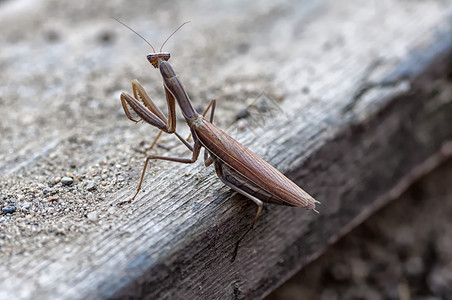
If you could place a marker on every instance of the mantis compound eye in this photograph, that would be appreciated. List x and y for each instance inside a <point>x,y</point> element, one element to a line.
<point>154,58</point>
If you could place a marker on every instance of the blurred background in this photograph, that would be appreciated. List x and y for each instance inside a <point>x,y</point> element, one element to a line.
<point>401,252</point>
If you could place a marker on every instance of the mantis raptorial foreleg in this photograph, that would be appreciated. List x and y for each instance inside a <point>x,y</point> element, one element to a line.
<point>144,109</point>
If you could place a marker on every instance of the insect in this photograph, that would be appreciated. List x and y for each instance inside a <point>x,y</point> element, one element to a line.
<point>236,166</point>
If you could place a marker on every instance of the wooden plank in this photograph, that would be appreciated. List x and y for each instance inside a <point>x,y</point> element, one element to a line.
<point>366,107</point>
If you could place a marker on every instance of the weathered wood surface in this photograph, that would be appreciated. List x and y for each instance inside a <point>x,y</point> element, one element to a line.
<point>366,106</point>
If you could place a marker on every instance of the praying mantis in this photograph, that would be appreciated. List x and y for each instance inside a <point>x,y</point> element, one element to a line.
<point>235,165</point>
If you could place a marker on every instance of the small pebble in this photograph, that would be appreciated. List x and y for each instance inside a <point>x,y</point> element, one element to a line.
<point>242,124</point>
<point>90,186</point>
<point>244,113</point>
<point>54,198</point>
<point>92,216</point>
<point>9,209</point>
<point>67,180</point>
<point>26,205</point>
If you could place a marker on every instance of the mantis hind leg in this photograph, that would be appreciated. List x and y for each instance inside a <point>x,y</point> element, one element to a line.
<point>259,204</point>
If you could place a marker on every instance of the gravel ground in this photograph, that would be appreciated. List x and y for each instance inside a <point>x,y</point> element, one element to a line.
<point>404,251</point>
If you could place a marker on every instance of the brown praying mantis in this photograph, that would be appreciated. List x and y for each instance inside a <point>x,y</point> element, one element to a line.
<point>236,166</point>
